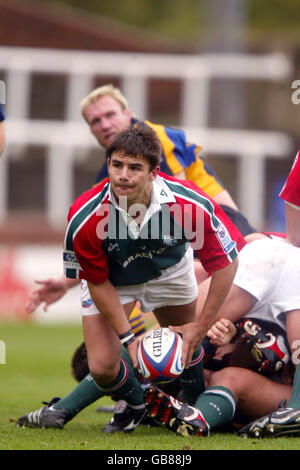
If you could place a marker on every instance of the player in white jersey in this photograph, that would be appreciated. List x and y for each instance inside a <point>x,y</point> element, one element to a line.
<point>266,287</point>
<point>286,420</point>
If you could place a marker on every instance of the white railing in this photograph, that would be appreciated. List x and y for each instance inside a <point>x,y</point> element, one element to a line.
<point>196,73</point>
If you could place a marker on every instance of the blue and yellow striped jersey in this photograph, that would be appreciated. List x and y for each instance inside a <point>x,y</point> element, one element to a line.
<point>179,155</point>
<point>2,115</point>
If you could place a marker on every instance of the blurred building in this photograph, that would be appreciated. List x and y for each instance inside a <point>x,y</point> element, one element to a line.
<point>37,25</point>
<point>30,23</point>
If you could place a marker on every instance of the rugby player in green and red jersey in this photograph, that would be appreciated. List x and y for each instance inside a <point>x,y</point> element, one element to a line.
<point>142,251</point>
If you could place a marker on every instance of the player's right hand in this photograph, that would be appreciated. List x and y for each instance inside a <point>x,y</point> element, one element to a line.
<point>132,349</point>
<point>50,291</point>
<point>191,338</point>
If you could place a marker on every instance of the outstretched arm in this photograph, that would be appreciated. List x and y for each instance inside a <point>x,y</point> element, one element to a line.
<point>50,291</point>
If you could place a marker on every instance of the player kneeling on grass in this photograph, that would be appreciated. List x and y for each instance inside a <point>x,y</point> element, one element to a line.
<point>285,419</point>
<point>265,289</point>
<point>260,340</point>
<point>129,239</point>
<point>232,394</point>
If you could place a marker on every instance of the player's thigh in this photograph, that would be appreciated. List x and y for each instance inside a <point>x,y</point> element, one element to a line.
<point>203,289</point>
<point>255,394</point>
<point>200,273</point>
<point>263,396</point>
<point>102,343</point>
<point>176,315</point>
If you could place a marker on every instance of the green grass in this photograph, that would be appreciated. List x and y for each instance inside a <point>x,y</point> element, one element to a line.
<point>38,368</point>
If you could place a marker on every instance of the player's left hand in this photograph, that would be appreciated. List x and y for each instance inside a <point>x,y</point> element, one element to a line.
<point>221,332</point>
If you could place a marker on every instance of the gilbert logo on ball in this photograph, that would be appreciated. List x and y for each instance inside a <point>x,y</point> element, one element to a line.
<point>160,355</point>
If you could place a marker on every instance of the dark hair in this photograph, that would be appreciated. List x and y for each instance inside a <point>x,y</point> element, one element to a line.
<point>140,140</point>
<point>79,363</point>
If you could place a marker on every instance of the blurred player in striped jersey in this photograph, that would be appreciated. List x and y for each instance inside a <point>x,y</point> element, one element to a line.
<point>107,112</point>
<point>2,129</point>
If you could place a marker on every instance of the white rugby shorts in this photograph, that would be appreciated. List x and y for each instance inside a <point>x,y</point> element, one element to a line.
<point>269,269</point>
<point>177,285</point>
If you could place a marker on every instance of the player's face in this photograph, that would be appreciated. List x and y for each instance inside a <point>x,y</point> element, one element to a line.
<point>131,177</point>
<point>106,118</point>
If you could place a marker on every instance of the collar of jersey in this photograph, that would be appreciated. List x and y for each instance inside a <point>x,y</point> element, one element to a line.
<point>161,194</point>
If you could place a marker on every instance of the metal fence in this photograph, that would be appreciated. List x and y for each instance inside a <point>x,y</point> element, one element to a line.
<point>62,137</point>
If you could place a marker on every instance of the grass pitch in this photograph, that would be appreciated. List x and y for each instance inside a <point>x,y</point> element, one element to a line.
<point>38,368</point>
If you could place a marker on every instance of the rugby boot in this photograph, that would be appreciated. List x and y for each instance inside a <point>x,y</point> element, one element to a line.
<point>175,415</point>
<point>46,417</point>
<point>126,418</point>
<point>283,421</point>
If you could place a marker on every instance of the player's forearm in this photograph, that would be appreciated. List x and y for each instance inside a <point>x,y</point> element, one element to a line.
<point>69,283</point>
<point>221,282</point>
<point>107,301</point>
<point>224,198</point>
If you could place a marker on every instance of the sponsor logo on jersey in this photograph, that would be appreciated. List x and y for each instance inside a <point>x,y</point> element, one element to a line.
<point>70,260</point>
<point>224,238</point>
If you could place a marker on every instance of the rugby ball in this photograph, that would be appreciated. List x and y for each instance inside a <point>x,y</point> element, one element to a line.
<point>160,355</point>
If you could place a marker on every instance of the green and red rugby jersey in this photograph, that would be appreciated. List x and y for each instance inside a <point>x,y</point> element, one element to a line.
<point>100,242</point>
